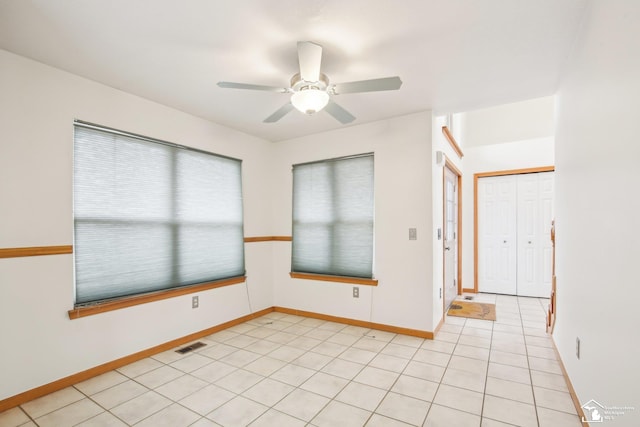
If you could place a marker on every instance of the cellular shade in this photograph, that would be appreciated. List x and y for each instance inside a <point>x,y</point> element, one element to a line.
<point>149,215</point>
<point>333,217</point>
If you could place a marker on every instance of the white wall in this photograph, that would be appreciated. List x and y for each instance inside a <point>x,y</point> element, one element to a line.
<point>403,297</point>
<point>530,119</point>
<point>39,343</point>
<point>597,220</point>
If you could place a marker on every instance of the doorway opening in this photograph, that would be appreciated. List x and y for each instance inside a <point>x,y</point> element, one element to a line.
<point>451,234</point>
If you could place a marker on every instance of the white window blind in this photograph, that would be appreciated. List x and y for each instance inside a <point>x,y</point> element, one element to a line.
<point>150,215</point>
<point>333,217</point>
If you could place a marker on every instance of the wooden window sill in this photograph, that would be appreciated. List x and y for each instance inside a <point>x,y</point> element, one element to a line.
<point>125,302</point>
<point>267,239</point>
<point>340,279</point>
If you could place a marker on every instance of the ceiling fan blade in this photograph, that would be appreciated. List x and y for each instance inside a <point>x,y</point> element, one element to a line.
<point>309,59</point>
<point>339,113</point>
<point>280,113</point>
<point>374,85</point>
<point>232,85</point>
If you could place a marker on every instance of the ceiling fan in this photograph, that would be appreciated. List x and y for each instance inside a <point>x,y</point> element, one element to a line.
<point>311,90</point>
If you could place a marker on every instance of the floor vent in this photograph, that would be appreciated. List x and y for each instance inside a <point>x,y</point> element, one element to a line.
<point>190,347</point>
<point>468,297</point>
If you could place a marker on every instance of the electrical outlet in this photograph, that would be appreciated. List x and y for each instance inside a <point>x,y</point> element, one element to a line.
<point>195,302</point>
<point>578,347</point>
<point>356,292</point>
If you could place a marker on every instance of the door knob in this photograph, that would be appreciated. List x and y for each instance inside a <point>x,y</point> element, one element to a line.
<point>446,248</point>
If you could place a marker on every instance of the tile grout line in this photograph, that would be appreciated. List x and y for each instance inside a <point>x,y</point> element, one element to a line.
<point>486,377</point>
<point>271,407</point>
<point>445,369</point>
<point>33,419</point>
<point>364,334</point>
<point>184,373</point>
<point>298,386</point>
<point>373,412</point>
<point>154,391</point>
<point>29,416</point>
<point>345,386</point>
<point>491,344</point>
<point>394,383</point>
<point>388,390</point>
<point>526,350</point>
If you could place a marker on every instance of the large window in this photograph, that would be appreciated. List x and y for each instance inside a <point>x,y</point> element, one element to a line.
<point>150,215</point>
<point>333,217</point>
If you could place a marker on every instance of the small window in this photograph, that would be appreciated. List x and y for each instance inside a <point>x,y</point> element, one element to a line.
<point>150,215</point>
<point>333,217</point>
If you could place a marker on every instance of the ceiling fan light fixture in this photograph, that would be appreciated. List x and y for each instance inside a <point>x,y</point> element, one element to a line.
<point>310,100</point>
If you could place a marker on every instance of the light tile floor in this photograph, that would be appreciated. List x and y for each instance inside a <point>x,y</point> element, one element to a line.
<point>283,370</point>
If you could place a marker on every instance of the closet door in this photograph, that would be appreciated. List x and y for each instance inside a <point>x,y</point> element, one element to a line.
<point>535,212</point>
<point>497,234</point>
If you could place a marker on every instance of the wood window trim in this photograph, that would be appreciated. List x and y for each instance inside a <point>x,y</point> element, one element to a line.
<point>267,239</point>
<point>452,141</point>
<point>35,251</point>
<point>337,279</point>
<point>476,176</point>
<point>131,301</point>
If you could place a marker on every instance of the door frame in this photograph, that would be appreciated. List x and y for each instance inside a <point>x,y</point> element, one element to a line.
<point>476,176</point>
<point>456,171</point>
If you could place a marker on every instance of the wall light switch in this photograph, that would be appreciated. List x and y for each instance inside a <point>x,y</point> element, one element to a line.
<point>413,234</point>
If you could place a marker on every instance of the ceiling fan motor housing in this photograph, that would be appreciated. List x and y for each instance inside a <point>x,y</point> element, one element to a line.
<point>297,84</point>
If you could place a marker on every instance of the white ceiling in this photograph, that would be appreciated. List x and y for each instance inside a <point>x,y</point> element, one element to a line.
<point>452,55</point>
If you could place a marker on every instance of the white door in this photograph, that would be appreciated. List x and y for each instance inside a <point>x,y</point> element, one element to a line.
<point>450,240</point>
<point>535,213</point>
<point>514,245</point>
<point>497,234</point>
